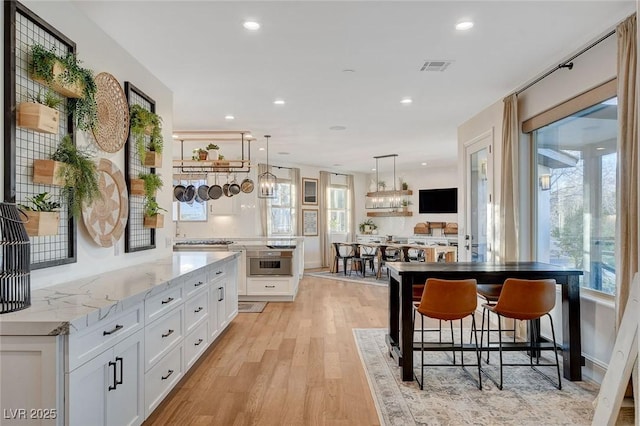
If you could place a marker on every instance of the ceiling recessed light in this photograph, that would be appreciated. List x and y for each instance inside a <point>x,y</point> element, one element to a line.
<point>251,25</point>
<point>337,128</point>
<point>229,117</point>
<point>424,164</point>
<point>464,25</point>
<point>600,148</point>
<point>406,101</point>
<point>260,149</point>
<point>279,102</point>
<point>373,170</point>
<point>284,153</point>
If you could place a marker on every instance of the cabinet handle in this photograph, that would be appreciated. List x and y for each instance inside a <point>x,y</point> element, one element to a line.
<point>115,383</point>
<point>116,328</point>
<point>168,333</point>
<point>200,308</point>
<point>220,294</point>
<point>119,382</point>
<point>218,273</point>
<point>169,373</point>
<point>198,342</point>
<point>198,284</point>
<point>270,286</point>
<point>169,300</point>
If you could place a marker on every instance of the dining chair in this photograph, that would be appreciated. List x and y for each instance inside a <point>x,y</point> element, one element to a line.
<point>343,252</point>
<point>368,255</point>
<point>388,254</point>
<point>527,300</point>
<point>448,300</point>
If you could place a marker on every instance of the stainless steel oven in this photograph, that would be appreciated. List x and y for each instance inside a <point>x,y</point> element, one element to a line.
<point>269,263</point>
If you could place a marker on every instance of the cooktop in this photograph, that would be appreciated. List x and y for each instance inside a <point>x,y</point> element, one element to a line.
<point>205,242</point>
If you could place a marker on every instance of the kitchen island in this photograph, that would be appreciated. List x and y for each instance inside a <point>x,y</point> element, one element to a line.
<point>107,349</point>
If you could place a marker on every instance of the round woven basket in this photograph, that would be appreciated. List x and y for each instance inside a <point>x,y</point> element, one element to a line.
<point>113,114</point>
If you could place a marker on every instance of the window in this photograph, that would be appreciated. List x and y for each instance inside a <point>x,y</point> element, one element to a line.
<point>576,193</point>
<point>282,209</point>
<point>194,211</point>
<point>337,209</point>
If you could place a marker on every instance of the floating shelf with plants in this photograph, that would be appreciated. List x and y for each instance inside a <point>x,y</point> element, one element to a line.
<point>146,129</point>
<point>208,157</point>
<point>389,214</point>
<point>40,113</point>
<point>42,217</point>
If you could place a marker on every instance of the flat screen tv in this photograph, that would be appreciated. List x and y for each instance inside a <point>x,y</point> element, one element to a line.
<point>443,200</point>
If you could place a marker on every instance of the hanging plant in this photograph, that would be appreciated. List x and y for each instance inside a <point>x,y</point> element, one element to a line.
<point>145,124</point>
<point>65,75</point>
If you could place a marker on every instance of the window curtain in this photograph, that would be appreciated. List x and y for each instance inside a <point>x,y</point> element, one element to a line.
<point>323,226</point>
<point>627,176</point>
<point>296,198</point>
<point>263,204</point>
<point>509,208</point>
<point>351,209</point>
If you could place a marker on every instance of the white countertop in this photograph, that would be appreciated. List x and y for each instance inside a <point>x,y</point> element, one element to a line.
<point>69,307</point>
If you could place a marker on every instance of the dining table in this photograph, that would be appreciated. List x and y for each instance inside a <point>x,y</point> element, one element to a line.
<point>403,275</point>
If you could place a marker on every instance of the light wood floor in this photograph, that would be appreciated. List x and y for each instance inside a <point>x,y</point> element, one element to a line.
<point>293,364</point>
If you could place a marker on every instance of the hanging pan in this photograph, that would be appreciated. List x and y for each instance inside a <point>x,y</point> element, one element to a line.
<point>215,191</point>
<point>189,194</point>
<point>234,188</point>
<point>225,188</point>
<point>178,192</point>
<point>203,192</point>
<point>247,185</point>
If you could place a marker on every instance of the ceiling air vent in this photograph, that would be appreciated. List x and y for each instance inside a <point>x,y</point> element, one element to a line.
<point>431,65</point>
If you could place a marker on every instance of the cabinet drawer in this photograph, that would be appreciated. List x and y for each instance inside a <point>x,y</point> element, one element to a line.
<point>194,284</point>
<point>194,344</point>
<point>162,378</point>
<point>161,336</point>
<point>268,286</point>
<point>103,335</point>
<point>157,305</point>
<point>196,310</point>
<point>217,272</point>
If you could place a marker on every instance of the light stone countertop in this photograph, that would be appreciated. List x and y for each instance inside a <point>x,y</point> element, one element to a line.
<point>70,307</point>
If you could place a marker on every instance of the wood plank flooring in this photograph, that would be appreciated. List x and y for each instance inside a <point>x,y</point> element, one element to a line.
<point>294,364</point>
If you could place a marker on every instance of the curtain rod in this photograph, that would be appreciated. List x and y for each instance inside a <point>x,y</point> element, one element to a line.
<point>567,63</point>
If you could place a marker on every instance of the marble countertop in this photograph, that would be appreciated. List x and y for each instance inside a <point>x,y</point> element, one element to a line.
<point>69,307</point>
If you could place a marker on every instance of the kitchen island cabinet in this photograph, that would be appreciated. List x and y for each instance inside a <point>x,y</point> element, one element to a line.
<point>92,351</point>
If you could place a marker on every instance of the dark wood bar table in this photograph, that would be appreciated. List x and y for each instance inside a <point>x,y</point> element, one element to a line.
<point>404,274</point>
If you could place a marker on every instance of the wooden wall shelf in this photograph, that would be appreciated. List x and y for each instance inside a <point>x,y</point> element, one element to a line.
<point>390,193</point>
<point>389,214</point>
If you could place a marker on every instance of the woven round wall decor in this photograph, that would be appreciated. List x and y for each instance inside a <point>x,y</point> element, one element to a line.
<point>113,114</point>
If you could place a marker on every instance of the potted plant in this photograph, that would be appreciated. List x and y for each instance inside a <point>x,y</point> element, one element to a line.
<point>146,129</point>
<point>213,150</point>
<point>43,218</point>
<point>200,154</point>
<point>40,113</point>
<point>152,216</point>
<point>382,185</point>
<point>65,75</point>
<point>147,184</point>
<point>404,186</point>
<point>367,226</point>
<point>405,205</point>
<point>74,170</point>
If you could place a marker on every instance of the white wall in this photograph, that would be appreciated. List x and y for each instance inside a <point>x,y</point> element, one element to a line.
<point>101,54</point>
<point>594,67</point>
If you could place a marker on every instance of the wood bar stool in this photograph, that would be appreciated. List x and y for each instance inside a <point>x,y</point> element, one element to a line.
<point>527,300</point>
<point>449,300</point>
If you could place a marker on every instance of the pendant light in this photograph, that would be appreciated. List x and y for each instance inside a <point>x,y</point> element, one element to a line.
<point>267,180</point>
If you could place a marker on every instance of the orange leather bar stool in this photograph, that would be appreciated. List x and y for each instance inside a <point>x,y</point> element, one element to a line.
<point>449,300</point>
<point>527,300</point>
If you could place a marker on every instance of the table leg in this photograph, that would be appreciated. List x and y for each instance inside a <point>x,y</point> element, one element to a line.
<point>571,339</point>
<point>406,327</point>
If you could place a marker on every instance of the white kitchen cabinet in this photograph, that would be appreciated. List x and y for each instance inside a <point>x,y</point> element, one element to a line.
<point>231,293</point>
<point>269,286</point>
<point>195,343</point>
<point>162,378</point>
<point>163,335</point>
<point>108,389</point>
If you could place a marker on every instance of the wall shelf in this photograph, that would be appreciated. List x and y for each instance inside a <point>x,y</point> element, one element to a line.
<point>391,193</point>
<point>389,214</point>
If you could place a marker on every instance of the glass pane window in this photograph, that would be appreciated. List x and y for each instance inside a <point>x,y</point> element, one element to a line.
<point>193,211</point>
<point>337,211</point>
<point>281,217</point>
<point>576,194</point>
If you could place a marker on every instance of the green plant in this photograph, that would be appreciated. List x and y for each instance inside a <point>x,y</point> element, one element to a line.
<point>368,223</point>
<point>382,185</point>
<point>405,186</point>
<point>84,109</point>
<point>151,207</point>
<point>141,121</point>
<point>220,157</point>
<point>80,176</point>
<point>213,146</point>
<point>49,99</point>
<point>41,203</point>
<point>152,182</point>
<point>406,203</point>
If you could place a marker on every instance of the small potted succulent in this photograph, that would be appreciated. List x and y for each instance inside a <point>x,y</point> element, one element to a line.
<point>43,217</point>
<point>200,154</point>
<point>40,113</point>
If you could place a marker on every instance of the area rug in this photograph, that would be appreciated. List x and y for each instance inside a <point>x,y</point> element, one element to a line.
<point>450,397</point>
<point>353,278</point>
<point>251,307</point>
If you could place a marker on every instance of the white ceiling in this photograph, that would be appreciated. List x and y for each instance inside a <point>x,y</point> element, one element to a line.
<point>215,67</point>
